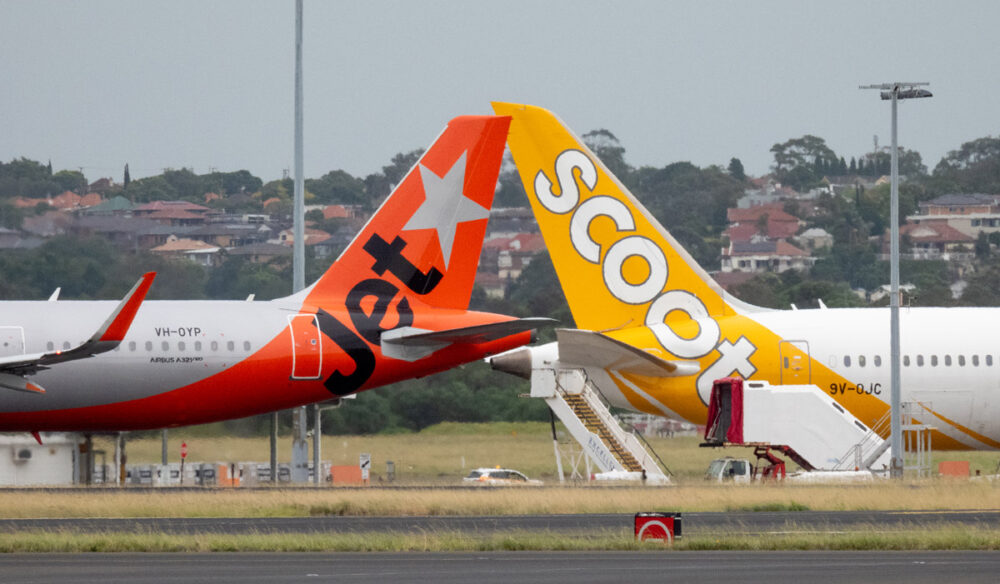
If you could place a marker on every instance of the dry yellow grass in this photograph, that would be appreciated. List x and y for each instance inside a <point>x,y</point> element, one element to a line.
<point>926,495</point>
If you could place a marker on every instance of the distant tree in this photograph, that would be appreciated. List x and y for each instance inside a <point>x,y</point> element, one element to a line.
<point>379,185</point>
<point>801,162</point>
<point>277,188</point>
<point>607,147</point>
<point>187,185</point>
<point>230,183</point>
<point>11,217</point>
<point>853,168</point>
<point>982,245</point>
<point>151,188</point>
<point>973,168</point>
<point>128,178</point>
<point>736,169</point>
<point>762,222</point>
<point>71,180</point>
<point>340,187</point>
<point>683,195</point>
<point>983,287</point>
<point>911,164</point>
<point>842,169</point>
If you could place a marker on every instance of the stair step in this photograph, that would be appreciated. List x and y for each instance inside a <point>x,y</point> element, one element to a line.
<point>595,424</point>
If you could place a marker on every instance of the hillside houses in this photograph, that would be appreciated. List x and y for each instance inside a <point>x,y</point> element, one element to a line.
<point>966,213</point>
<point>760,241</point>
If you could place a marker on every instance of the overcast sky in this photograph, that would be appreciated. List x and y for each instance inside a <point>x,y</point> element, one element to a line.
<point>206,85</point>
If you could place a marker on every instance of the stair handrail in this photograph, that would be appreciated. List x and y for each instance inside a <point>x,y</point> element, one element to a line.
<point>866,445</point>
<point>649,446</point>
<point>628,440</point>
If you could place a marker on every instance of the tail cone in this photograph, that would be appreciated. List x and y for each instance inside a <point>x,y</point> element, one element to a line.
<point>517,362</point>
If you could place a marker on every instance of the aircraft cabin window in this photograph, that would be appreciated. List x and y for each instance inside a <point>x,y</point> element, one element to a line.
<point>131,345</point>
<point>246,345</point>
<point>197,345</point>
<point>961,360</point>
<point>215,345</point>
<point>920,360</point>
<point>989,360</point>
<point>231,346</point>
<point>906,360</point>
<point>50,346</point>
<point>975,360</point>
<point>947,360</point>
<point>933,360</point>
<point>149,345</point>
<point>861,360</point>
<point>180,345</point>
<point>847,360</point>
<point>166,346</point>
<point>65,345</point>
<point>878,360</point>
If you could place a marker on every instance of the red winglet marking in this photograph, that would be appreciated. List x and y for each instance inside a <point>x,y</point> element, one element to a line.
<point>38,438</point>
<point>117,329</point>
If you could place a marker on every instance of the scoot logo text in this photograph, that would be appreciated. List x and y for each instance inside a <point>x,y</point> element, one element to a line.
<point>573,167</point>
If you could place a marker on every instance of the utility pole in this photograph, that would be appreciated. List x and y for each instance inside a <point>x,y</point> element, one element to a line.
<point>895,92</point>
<point>300,447</point>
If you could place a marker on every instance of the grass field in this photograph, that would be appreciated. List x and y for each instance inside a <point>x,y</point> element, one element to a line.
<point>941,538</point>
<point>444,453</point>
<point>373,501</point>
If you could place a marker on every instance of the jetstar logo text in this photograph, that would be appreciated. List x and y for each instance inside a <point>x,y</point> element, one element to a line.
<point>368,326</point>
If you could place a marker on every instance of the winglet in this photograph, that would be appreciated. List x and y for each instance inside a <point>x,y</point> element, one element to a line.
<point>114,329</point>
<point>14,369</point>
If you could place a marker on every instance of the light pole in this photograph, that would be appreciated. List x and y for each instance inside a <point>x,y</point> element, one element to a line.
<point>895,92</point>
<point>300,448</point>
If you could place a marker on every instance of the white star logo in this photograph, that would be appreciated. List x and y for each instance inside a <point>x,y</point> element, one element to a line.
<point>445,205</point>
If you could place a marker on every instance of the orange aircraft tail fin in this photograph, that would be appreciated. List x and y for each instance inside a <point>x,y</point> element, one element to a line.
<point>427,236</point>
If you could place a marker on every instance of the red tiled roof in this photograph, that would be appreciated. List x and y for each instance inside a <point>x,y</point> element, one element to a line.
<point>785,248</point>
<point>766,248</point>
<point>335,211</point>
<point>527,242</point>
<point>313,236</point>
<point>774,213</point>
<point>934,232</point>
<point>745,231</point>
<point>524,242</point>
<point>163,205</point>
<point>174,214</point>
<point>91,200</point>
<point>182,245</point>
<point>498,243</point>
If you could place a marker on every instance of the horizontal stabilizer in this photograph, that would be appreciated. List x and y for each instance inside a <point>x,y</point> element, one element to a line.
<point>409,343</point>
<point>593,349</point>
<point>106,338</point>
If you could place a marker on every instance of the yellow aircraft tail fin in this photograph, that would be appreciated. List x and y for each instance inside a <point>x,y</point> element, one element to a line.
<point>618,266</point>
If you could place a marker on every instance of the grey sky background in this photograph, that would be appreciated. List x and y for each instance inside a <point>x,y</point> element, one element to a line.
<point>206,85</point>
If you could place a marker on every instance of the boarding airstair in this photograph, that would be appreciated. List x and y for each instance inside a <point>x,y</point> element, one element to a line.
<point>800,421</point>
<point>578,405</point>
<point>870,448</point>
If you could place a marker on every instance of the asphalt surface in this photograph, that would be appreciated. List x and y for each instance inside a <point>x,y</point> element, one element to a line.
<point>693,523</point>
<point>507,567</point>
